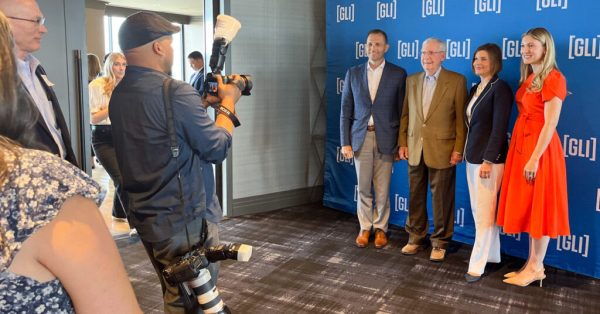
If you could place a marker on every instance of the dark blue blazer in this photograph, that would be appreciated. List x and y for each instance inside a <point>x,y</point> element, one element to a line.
<point>487,130</point>
<point>357,107</point>
<point>41,129</point>
<point>198,83</point>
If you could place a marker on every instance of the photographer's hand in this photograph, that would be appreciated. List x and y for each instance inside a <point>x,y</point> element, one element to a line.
<point>229,94</point>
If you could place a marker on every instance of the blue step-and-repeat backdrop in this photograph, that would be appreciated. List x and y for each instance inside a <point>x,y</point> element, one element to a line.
<point>464,25</point>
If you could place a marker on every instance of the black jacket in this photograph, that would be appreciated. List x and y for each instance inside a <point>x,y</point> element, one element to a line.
<point>41,129</point>
<point>165,193</point>
<point>487,130</point>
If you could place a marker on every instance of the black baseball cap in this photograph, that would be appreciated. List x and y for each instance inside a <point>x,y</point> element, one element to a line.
<point>143,27</point>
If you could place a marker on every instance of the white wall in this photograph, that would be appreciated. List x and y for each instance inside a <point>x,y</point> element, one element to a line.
<point>94,26</point>
<point>194,40</point>
<point>279,146</point>
<point>60,46</point>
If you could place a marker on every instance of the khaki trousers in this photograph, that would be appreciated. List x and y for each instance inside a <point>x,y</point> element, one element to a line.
<point>374,172</point>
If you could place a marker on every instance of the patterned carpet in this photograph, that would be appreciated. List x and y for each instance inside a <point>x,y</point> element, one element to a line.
<point>305,261</point>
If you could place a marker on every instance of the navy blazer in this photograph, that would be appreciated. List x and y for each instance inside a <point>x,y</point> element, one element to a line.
<point>356,108</point>
<point>198,83</point>
<point>41,129</point>
<point>487,130</point>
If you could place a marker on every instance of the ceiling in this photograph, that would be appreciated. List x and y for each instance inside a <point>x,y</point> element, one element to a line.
<point>183,7</point>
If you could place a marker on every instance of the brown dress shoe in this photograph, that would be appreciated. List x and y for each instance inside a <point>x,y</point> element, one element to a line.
<point>380,239</point>
<point>363,238</point>
<point>412,249</point>
<point>437,255</point>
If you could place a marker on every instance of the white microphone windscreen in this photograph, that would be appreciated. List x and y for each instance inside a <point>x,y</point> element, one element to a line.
<point>226,27</point>
<point>244,253</point>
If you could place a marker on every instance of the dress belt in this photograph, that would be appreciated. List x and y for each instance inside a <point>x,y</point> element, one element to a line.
<point>528,120</point>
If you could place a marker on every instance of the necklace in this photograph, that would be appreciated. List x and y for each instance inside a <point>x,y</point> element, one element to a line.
<point>480,89</point>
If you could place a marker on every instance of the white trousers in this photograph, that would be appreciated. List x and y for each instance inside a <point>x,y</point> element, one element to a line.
<point>374,172</point>
<point>484,198</point>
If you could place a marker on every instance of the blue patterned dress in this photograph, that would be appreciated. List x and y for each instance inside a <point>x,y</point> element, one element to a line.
<point>37,185</point>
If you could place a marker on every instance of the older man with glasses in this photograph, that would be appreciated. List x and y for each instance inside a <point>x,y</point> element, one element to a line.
<point>27,25</point>
<point>432,138</point>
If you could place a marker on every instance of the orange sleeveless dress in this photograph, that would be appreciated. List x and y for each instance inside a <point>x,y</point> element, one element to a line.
<point>541,208</point>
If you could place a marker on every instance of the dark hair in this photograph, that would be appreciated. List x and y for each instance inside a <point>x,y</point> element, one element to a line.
<point>378,31</point>
<point>495,55</point>
<point>195,55</point>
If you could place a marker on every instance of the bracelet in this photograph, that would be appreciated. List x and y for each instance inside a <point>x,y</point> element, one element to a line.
<point>224,111</point>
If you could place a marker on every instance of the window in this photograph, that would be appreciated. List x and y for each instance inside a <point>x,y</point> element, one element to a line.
<point>111,43</point>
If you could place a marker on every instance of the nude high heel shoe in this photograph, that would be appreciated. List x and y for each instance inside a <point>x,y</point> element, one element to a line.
<point>524,279</point>
<point>514,273</point>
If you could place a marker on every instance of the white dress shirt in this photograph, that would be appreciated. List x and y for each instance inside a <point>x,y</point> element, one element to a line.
<point>429,84</point>
<point>373,79</point>
<point>26,69</point>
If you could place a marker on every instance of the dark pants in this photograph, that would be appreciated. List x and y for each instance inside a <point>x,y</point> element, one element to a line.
<point>442,183</point>
<point>102,143</point>
<point>165,252</point>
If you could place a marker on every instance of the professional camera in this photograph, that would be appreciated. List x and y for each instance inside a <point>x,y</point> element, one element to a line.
<point>191,269</point>
<point>225,30</point>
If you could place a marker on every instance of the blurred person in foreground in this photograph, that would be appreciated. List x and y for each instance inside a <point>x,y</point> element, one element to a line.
<point>56,254</point>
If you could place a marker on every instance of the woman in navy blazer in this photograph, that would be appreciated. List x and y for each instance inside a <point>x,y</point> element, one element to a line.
<point>486,115</point>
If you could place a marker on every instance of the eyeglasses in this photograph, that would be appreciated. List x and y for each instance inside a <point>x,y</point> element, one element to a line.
<point>39,21</point>
<point>429,53</point>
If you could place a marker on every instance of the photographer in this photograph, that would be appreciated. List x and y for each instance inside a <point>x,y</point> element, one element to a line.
<point>171,191</point>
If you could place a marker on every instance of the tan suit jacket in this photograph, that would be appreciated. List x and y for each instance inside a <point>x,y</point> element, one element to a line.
<point>443,131</point>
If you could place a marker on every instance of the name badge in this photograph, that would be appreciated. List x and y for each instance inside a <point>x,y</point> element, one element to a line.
<point>47,81</point>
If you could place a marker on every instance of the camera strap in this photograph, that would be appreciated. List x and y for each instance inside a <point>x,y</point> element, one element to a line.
<point>167,90</point>
<point>167,96</point>
<point>187,296</point>
<point>222,110</point>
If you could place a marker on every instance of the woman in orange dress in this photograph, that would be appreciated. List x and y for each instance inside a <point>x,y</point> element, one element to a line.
<point>533,196</point>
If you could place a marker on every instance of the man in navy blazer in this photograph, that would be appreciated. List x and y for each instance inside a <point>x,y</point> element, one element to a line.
<point>196,61</point>
<point>369,121</point>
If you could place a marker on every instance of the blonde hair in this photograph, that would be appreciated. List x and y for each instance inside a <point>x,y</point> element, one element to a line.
<point>8,66</point>
<point>6,146</point>
<point>549,60</point>
<point>109,76</point>
<point>8,90</point>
